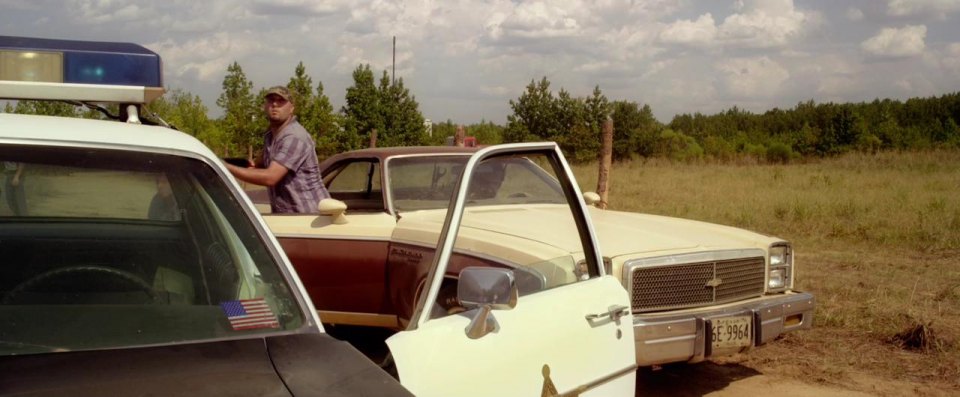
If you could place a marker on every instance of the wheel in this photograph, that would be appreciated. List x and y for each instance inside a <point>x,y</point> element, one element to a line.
<point>70,275</point>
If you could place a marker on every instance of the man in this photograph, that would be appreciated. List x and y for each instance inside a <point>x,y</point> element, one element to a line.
<point>290,170</point>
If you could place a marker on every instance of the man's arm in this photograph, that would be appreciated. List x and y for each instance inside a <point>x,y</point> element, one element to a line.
<point>269,176</point>
<point>16,177</point>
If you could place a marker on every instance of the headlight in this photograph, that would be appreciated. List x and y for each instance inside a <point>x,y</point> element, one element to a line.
<point>779,255</point>
<point>781,267</point>
<point>777,279</point>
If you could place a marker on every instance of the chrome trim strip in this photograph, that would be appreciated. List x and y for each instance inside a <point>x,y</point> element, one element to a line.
<point>771,321</point>
<point>694,257</point>
<point>575,392</point>
<point>671,339</point>
<point>330,237</point>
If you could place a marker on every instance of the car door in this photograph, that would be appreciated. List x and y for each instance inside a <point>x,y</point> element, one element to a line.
<point>574,337</point>
<point>342,266</point>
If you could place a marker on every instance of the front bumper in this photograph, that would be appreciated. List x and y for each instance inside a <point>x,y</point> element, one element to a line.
<point>684,335</point>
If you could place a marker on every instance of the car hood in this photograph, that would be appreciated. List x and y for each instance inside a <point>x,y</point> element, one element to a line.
<point>618,233</point>
<point>632,234</point>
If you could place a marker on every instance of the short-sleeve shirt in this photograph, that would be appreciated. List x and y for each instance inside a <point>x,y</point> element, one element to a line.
<point>301,188</point>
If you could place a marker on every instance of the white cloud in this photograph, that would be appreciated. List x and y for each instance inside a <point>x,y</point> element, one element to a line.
<point>764,23</point>
<point>205,58</point>
<point>939,8</point>
<point>896,42</point>
<point>701,32</point>
<point>951,59</point>
<point>537,20</point>
<point>497,91</point>
<point>758,77</point>
<point>854,14</point>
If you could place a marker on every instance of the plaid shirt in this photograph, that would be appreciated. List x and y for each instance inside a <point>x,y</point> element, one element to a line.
<point>301,189</point>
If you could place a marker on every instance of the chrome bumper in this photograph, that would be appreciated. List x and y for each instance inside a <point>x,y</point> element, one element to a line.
<point>684,335</point>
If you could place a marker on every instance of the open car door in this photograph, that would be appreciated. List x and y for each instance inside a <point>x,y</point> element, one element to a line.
<point>571,335</point>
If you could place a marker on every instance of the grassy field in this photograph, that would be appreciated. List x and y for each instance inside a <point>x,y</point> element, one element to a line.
<point>877,240</point>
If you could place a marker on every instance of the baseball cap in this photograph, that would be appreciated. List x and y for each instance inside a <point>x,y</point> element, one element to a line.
<point>280,90</point>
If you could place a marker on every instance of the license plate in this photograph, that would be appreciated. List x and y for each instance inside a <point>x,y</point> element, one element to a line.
<point>732,332</point>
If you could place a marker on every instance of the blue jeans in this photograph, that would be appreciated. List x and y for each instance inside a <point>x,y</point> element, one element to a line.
<point>15,198</point>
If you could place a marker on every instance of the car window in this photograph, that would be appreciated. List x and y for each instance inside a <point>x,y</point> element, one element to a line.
<point>356,177</point>
<point>357,183</point>
<point>520,219</point>
<point>423,182</point>
<point>428,182</point>
<point>106,248</point>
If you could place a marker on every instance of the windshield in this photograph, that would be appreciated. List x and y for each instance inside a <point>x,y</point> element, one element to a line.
<point>106,248</point>
<point>428,182</point>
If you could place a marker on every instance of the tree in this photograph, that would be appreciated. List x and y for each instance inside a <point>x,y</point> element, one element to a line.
<point>186,112</point>
<point>574,132</point>
<point>400,112</point>
<point>326,125</point>
<point>46,108</point>
<point>635,130</point>
<point>361,113</point>
<point>486,132</point>
<point>534,114</point>
<point>315,112</point>
<point>241,121</point>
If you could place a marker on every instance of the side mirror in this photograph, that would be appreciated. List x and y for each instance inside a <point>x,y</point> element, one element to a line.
<point>488,289</point>
<point>335,209</point>
<point>591,198</point>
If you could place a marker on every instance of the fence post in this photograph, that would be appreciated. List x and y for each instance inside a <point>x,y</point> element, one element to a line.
<point>606,161</point>
<point>373,138</point>
<point>459,136</point>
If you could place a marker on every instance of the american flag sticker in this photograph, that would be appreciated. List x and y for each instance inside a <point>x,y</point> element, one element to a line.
<point>249,314</point>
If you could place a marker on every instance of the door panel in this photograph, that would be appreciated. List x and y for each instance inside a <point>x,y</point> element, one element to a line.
<point>544,329</point>
<point>341,275</point>
<point>574,336</point>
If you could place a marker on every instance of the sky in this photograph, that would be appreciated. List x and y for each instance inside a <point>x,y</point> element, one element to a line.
<point>465,60</point>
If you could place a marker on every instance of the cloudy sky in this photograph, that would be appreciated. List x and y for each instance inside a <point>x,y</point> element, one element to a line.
<point>464,60</point>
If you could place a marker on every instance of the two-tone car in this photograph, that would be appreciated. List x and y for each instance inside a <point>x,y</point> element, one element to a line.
<point>133,264</point>
<point>696,289</point>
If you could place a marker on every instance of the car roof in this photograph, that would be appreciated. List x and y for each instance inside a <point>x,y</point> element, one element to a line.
<point>383,153</point>
<point>39,129</point>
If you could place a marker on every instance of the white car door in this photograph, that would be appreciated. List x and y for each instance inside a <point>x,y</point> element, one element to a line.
<point>574,337</point>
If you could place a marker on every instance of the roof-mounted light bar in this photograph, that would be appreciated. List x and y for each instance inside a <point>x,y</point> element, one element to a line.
<point>86,71</point>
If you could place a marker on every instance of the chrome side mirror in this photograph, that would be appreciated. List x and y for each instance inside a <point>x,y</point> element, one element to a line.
<point>335,209</point>
<point>486,289</point>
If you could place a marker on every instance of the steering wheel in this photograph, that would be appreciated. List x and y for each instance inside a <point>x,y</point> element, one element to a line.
<point>45,277</point>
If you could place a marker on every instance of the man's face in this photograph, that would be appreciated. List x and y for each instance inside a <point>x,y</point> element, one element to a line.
<point>277,108</point>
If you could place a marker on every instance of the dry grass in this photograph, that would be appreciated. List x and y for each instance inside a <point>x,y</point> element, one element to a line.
<point>877,240</point>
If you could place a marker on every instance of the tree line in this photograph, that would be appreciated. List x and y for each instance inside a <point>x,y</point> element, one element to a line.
<point>777,135</point>
<point>386,108</point>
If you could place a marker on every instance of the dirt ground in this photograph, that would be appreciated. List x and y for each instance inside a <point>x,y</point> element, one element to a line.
<point>729,377</point>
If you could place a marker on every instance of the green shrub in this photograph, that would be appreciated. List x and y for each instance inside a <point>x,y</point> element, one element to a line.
<point>779,152</point>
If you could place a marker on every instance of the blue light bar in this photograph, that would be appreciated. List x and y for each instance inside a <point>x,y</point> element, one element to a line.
<point>83,62</point>
<point>85,71</point>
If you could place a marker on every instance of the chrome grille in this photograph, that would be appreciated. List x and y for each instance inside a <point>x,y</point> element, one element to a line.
<point>686,285</point>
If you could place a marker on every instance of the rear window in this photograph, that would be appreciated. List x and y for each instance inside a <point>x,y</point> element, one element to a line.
<point>107,248</point>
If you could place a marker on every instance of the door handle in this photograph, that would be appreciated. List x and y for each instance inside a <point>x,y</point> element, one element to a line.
<point>614,313</point>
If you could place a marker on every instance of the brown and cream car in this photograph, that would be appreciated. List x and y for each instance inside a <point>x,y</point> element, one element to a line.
<point>696,289</point>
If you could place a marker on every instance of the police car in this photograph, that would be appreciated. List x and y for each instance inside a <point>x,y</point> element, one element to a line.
<point>132,263</point>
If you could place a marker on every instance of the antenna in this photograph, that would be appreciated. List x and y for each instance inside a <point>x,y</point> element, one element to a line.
<point>393,74</point>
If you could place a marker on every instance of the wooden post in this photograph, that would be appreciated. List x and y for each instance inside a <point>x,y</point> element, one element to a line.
<point>606,161</point>
<point>373,137</point>
<point>459,136</point>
